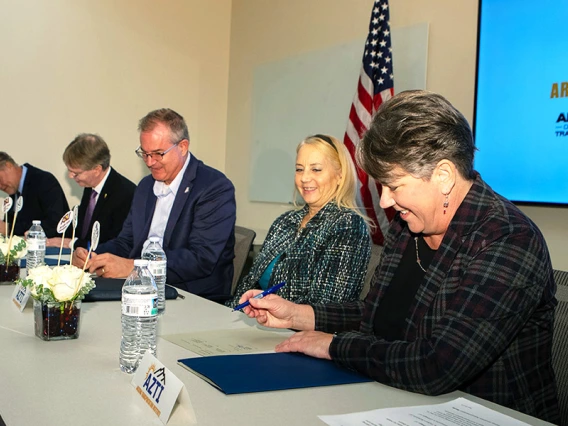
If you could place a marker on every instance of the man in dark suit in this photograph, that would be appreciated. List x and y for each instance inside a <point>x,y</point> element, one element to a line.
<point>187,204</point>
<point>42,194</point>
<point>107,195</point>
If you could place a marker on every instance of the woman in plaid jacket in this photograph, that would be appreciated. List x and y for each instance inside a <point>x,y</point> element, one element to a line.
<point>463,298</point>
<point>322,250</point>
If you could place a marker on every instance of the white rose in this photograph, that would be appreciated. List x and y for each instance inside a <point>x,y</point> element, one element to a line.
<point>15,241</point>
<point>63,291</point>
<point>65,281</point>
<point>39,275</point>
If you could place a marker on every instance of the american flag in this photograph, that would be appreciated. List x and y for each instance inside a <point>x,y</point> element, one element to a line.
<point>375,86</point>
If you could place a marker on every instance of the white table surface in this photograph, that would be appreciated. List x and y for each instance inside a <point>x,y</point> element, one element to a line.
<point>79,382</point>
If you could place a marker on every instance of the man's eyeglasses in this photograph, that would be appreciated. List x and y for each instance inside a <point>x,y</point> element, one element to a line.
<point>73,175</point>
<point>156,156</point>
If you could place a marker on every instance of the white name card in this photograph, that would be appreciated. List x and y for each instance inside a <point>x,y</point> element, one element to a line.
<point>20,297</point>
<point>160,389</point>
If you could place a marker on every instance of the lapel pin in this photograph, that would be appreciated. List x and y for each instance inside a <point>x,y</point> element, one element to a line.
<point>186,190</point>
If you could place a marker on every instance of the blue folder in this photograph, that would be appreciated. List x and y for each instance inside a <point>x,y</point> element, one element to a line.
<point>233,374</point>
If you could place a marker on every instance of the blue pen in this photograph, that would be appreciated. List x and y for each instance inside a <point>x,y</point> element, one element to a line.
<point>266,292</point>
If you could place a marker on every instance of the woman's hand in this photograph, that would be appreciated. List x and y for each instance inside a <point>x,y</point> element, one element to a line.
<point>312,343</point>
<point>274,311</point>
<point>270,311</point>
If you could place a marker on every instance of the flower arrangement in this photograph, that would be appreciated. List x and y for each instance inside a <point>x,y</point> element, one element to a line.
<point>10,254</point>
<point>57,294</point>
<point>17,250</point>
<point>58,284</point>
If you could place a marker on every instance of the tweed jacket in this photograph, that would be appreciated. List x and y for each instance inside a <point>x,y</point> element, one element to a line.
<point>481,321</point>
<point>324,262</point>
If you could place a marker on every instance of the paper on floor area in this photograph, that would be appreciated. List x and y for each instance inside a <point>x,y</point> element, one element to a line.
<point>232,341</point>
<point>460,412</point>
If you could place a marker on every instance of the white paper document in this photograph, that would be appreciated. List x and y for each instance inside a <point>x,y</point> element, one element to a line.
<point>459,412</point>
<point>225,342</point>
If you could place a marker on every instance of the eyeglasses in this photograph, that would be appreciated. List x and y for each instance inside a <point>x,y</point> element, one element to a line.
<point>73,175</point>
<point>156,156</point>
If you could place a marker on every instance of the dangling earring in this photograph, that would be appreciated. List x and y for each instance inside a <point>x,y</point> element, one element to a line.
<point>446,202</point>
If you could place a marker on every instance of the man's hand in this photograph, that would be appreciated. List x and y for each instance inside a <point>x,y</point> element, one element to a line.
<point>79,257</point>
<point>312,343</point>
<point>110,266</point>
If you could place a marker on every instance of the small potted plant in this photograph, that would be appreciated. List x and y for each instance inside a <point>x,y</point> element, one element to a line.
<point>57,293</point>
<point>10,254</point>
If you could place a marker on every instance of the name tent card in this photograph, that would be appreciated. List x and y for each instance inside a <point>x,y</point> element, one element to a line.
<point>159,388</point>
<point>20,297</point>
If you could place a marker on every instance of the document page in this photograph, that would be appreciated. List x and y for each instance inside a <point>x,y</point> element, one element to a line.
<point>225,342</point>
<point>459,412</point>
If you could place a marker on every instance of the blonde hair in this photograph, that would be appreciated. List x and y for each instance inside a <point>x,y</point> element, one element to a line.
<point>339,158</point>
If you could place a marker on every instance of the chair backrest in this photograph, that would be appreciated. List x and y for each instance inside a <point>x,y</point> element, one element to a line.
<point>560,343</point>
<point>244,238</point>
<point>373,263</point>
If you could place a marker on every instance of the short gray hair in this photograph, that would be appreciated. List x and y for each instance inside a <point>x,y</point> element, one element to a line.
<point>169,118</point>
<point>414,130</point>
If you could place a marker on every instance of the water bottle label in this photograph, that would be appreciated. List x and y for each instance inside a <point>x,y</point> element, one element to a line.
<point>140,305</point>
<point>33,244</point>
<point>158,268</point>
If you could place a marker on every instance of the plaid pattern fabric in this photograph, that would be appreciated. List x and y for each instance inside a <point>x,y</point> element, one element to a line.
<point>324,262</point>
<point>481,321</point>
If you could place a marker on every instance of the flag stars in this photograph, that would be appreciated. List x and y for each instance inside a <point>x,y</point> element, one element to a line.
<point>374,31</point>
<point>381,17</point>
<point>386,33</point>
<point>373,42</point>
<point>375,21</point>
<point>384,6</point>
<point>387,59</point>
<point>383,43</point>
<point>384,70</point>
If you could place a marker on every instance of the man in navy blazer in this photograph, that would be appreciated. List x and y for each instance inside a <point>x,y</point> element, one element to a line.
<point>189,205</point>
<point>42,194</point>
<point>107,195</point>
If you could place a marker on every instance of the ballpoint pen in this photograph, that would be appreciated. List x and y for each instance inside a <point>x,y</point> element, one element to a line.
<point>266,292</point>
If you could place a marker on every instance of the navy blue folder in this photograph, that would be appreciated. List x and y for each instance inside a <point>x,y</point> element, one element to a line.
<point>233,374</point>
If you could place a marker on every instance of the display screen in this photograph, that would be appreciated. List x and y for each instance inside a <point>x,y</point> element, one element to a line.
<point>521,105</point>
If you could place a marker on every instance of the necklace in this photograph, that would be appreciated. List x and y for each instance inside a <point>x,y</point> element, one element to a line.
<point>417,255</point>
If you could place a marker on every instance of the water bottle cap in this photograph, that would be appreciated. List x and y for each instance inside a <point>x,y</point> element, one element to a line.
<point>36,222</point>
<point>140,262</point>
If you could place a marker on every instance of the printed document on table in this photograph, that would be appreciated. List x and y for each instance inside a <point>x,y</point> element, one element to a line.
<point>232,341</point>
<point>460,412</point>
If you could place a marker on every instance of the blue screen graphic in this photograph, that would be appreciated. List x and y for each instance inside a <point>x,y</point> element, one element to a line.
<point>521,120</point>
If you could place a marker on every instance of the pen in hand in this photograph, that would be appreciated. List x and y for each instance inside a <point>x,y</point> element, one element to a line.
<point>266,292</point>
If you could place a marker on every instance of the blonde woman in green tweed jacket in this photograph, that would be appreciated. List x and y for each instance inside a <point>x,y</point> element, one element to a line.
<point>322,250</point>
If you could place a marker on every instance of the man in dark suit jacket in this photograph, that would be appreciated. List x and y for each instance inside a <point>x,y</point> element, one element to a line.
<point>42,194</point>
<point>107,195</point>
<point>187,204</point>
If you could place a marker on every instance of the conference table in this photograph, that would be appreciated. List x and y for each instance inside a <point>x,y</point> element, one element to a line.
<point>79,381</point>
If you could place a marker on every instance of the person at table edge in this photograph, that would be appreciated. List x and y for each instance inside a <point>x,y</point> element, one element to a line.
<point>42,194</point>
<point>464,295</point>
<point>187,204</point>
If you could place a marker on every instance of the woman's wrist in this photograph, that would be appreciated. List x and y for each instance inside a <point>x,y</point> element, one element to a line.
<point>304,318</point>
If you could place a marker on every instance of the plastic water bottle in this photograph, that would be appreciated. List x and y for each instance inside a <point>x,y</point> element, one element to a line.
<point>139,316</point>
<point>35,243</point>
<point>158,268</point>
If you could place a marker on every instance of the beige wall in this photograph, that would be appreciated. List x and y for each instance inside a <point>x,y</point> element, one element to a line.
<point>265,31</point>
<point>71,66</point>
